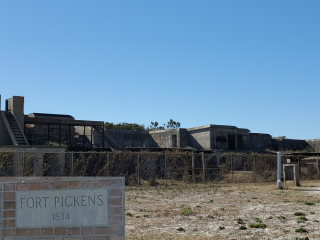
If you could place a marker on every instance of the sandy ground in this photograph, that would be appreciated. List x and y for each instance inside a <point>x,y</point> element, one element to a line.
<point>209,211</point>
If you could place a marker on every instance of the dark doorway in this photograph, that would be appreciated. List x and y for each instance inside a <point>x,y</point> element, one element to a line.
<point>240,142</point>
<point>231,142</point>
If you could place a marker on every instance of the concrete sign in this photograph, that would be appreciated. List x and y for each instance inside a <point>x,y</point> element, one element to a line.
<point>74,207</point>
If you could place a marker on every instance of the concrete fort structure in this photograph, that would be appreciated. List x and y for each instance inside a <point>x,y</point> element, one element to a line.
<point>52,208</point>
<point>43,129</point>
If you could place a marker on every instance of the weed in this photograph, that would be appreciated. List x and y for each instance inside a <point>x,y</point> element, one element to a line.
<point>242,227</point>
<point>309,203</point>
<point>312,213</point>
<point>270,217</point>
<point>211,201</point>
<point>258,220</point>
<point>299,214</point>
<point>221,228</point>
<point>254,198</point>
<point>137,216</point>
<point>257,225</point>
<point>286,231</point>
<point>302,219</point>
<point>302,238</point>
<point>129,214</point>
<point>198,206</point>
<point>186,211</point>
<point>315,221</point>
<point>301,230</point>
<point>153,182</point>
<point>222,209</point>
<point>239,220</point>
<point>281,217</point>
<point>145,215</point>
<point>180,229</point>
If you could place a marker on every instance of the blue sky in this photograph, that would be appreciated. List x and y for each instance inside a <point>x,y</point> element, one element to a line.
<point>251,64</point>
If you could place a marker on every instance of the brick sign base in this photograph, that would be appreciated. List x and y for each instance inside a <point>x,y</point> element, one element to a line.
<point>62,208</point>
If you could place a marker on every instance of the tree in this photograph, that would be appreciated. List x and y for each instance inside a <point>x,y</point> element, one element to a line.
<point>170,125</point>
<point>173,124</point>
<point>124,126</point>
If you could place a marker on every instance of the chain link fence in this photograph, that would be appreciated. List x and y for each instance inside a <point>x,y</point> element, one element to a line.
<point>154,167</point>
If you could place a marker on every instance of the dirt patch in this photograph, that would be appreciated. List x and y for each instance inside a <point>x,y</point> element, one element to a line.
<point>223,211</point>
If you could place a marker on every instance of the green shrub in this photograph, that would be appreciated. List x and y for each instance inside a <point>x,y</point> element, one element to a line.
<point>243,227</point>
<point>186,211</point>
<point>257,225</point>
<point>258,220</point>
<point>239,220</point>
<point>302,238</point>
<point>301,230</point>
<point>299,214</point>
<point>302,218</point>
<point>153,182</point>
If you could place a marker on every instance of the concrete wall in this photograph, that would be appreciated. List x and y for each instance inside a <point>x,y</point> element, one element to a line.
<point>259,141</point>
<point>289,144</point>
<point>4,135</point>
<point>170,138</point>
<point>200,138</point>
<point>132,139</point>
<point>314,143</point>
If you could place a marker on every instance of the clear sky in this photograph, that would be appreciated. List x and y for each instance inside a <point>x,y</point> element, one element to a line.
<point>251,64</point>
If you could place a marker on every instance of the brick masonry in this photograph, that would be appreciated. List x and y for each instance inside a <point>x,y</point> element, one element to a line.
<point>115,230</point>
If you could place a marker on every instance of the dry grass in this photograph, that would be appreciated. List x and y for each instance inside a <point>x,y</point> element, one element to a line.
<point>208,211</point>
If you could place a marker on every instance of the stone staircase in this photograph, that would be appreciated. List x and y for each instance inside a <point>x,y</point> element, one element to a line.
<point>14,129</point>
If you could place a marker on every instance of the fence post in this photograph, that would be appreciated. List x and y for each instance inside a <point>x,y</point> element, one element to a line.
<point>108,164</point>
<point>203,169</point>
<point>279,170</point>
<point>138,169</point>
<point>72,164</point>
<point>232,169</point>
<point>23,165</point>
<point>318,167</point>
<point>165,166</point>
<point>193,178</point>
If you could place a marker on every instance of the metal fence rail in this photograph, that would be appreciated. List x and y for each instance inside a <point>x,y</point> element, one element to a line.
<point>151,167</point>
